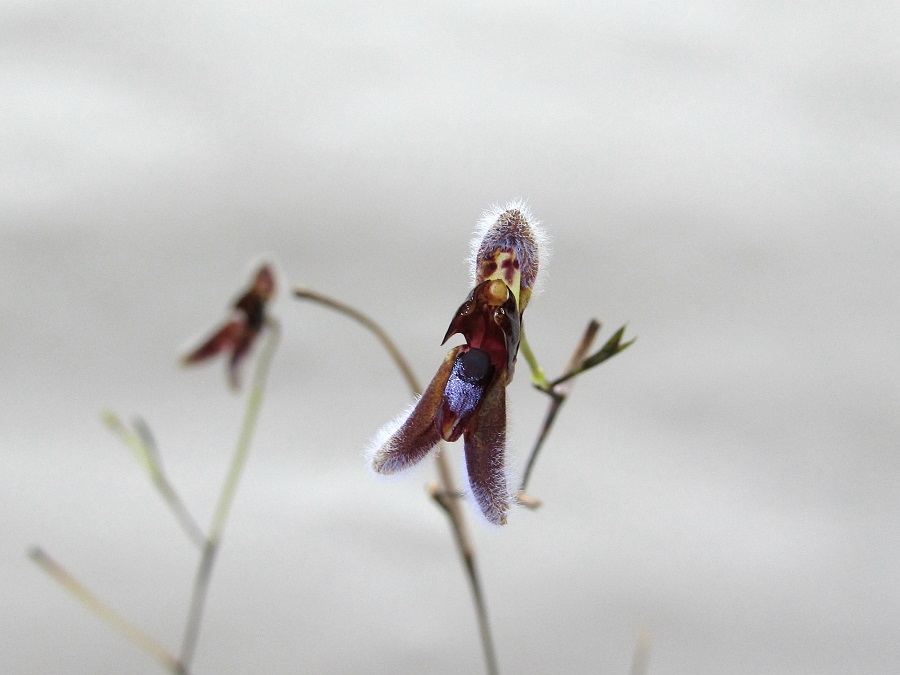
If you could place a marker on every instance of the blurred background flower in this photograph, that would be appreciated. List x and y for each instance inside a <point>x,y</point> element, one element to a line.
<point>236,337</point>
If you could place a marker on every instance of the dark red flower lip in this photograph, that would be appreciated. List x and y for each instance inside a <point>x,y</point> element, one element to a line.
<point>489,320</point>
<point>467,397</point>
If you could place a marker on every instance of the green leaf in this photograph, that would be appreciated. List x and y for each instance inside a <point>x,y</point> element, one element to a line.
<point>612,347</point>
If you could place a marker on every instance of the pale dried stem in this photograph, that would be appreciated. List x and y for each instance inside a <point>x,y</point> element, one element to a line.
<point>179,510</point>
<point>641,657</point>
<point>139,438</point>
<point>226,496</point>
<point>105,612</point>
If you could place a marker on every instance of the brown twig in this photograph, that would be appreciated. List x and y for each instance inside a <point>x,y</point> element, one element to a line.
<point>445,494</point>
<point>558,393</point>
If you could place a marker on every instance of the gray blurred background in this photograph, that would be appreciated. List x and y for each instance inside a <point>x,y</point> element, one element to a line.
<point>723,178</point>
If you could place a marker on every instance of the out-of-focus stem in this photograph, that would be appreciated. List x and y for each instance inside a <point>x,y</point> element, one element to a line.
<point>141,442</point>
<point>105,612</point>
<point>641,657</point>
<point>446,494</point>
<point>226,496</point>
<point>254,401</point>
<point>182,515</point>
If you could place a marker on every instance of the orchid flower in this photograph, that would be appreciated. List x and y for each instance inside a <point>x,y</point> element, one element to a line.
<point>238,334</point>
<point>467,396</point>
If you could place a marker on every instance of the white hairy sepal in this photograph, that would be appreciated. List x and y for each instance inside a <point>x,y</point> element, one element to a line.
<point>383,435</point>
<point>389,451</point>
<point>501,485</point>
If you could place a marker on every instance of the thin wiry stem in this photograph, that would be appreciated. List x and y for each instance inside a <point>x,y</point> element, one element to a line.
<point>187,522</point>
<point>141,442</point>
<point>369,324</point>
<point>445,493</point>
<point>558,394</point>
<point>226,496</point>
<point>105,612</point>
<point>447,497</point>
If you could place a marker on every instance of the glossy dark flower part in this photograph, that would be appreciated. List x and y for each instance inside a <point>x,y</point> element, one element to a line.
<point>467,397</point>
<point>239,333</point>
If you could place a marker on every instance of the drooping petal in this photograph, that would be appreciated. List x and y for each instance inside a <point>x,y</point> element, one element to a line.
<point>419,433</point>
<point>485,445</point>
<point>222,340</point>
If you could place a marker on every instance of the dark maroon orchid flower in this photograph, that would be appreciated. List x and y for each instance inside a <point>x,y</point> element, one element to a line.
<point>467,397</point>
<point>241,330</point>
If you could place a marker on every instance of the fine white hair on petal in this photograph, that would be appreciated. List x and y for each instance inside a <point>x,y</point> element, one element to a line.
<point>501,485</point>
<point>492,500</point>
<point>383,434</point>
<point>538,247</point>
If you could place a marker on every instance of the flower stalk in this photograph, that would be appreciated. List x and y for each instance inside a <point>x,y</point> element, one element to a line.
<point>559,389</point>
<point>227,493</point>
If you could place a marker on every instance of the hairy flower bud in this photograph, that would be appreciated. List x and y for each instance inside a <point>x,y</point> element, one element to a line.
<point>509,245</point>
